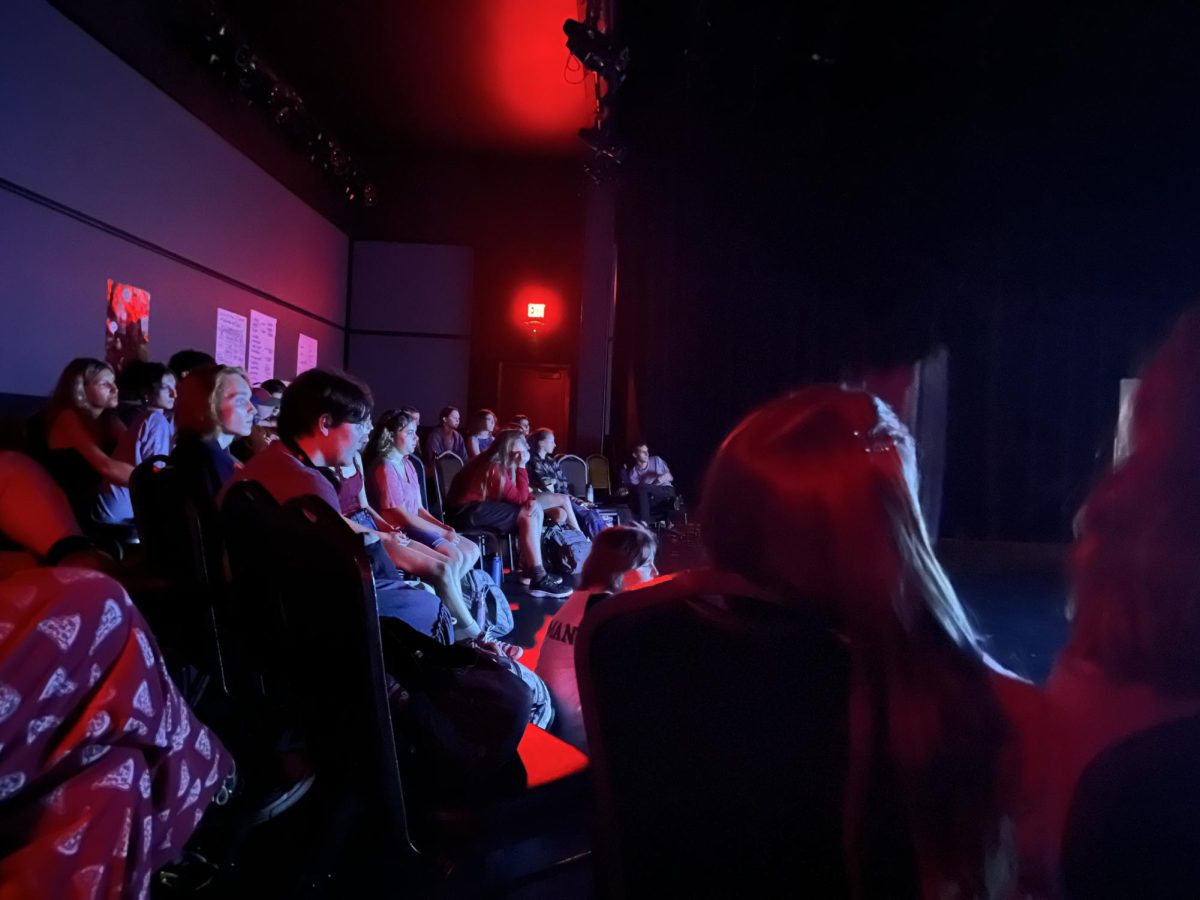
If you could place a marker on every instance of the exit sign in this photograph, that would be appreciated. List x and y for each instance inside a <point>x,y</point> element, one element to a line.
<point>535,310</point>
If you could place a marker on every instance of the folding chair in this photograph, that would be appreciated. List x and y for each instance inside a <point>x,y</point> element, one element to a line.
<point>576,471</point>
<point>600,476</point>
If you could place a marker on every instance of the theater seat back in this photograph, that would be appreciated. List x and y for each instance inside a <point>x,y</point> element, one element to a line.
<point>718,734</point>
<point>1134,825</point>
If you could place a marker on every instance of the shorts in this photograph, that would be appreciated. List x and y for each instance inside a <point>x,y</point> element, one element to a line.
<point>425,536</point>
<point>493,515</point>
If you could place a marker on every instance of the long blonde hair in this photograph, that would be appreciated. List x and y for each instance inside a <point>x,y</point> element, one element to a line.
<point>834,472</point>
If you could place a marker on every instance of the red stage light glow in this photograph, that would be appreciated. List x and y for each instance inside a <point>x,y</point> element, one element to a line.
<point>526,75</point>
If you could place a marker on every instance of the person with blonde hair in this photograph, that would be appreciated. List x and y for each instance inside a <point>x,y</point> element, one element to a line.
<point>812,499</point>
<point>213,410</point>
<point>81,438</point>
<point>621,558</point>
<point>492,492</point>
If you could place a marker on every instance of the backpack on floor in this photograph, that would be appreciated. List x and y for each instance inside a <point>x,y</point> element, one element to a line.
<point>487,603</point>
<point>564,550</point>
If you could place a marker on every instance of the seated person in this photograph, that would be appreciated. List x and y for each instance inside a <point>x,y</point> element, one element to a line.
<point>393,489</point>
<point>410,557</point>
<point>547,480</point>
<point>274,387</point>
<point>813,499</point>
<point>1130,661</point>
<point>185,360</point>
<point>98,751</point>
<point>213,411</point>
<point>149,431</point>
<point>445,437</point>
<point>492,492</point>
<point>81,437</point>
<point>621,557</point>
<point>322,422</point>
<point>130,381</point>
<point>266,413</point>
<point>481,432</point>
<point>520,422</point>
<point>649,484</point>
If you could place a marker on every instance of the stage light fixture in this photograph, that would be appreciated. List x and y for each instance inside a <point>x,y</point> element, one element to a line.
<point>597,51</point>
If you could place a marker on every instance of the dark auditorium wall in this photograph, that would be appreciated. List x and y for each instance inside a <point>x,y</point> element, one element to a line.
<point>812,189</point>
<point>106,177</point>
<point>523,222</point>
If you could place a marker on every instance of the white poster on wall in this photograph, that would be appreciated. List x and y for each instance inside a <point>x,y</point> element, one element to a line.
<point>261,365</point>
<point>231,339</point>
<point>306,353</point>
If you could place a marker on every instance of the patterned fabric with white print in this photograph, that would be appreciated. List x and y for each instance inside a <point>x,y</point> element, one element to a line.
<point>104,770</point>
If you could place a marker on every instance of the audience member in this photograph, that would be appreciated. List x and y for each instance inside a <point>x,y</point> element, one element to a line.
<point>550,484</point>
<point>185,360</point>
<point>104,771</point>
<point>213,410</point>
<point>1130,662</point>
<point>520,422</point>
<point>393,488</point>
<point>81,428</point>
<point>445,437</point>
<point>621,558</point>
<point>275,387</point>
<point>266,414</point>
<point>409,556</point>
<point>481,432</point>
<point>648,482</point>
<point>492,492</point>
<point>130,382</point>
<point>322,421</point>
<point>812,498</point>
<point>149,433</point>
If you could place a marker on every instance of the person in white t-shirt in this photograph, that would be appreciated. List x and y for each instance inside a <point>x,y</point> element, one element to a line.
<point>620,558</point>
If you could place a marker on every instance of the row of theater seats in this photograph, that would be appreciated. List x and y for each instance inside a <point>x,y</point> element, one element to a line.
<point>277,606</point>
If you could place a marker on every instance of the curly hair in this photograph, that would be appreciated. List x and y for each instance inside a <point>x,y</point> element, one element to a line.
<point>383,435</point>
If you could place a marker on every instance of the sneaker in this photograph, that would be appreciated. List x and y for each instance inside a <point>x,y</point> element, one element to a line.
<point>548,586</point>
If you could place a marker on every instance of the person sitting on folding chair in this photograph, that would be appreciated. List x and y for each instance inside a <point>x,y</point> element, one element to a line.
<point>492,491</point>
<point>547,479</point>
<point>649,485</point>
<point>322,422</point>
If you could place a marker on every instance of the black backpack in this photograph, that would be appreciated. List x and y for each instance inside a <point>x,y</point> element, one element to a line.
<point>564,550</point>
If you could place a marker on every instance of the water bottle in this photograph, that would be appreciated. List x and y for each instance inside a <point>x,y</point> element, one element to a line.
<point>591,495</point>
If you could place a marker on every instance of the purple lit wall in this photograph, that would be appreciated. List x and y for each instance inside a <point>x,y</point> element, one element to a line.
<point>410,324</point>
<point>105,177</point>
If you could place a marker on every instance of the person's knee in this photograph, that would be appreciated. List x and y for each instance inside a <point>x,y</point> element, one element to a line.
<point>439,570</point>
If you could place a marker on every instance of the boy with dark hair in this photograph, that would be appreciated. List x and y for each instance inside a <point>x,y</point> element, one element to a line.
<point>185,360</point>
<point>274,387</point>
<point>323,420</point>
